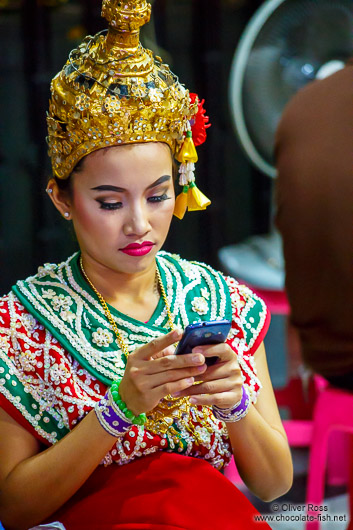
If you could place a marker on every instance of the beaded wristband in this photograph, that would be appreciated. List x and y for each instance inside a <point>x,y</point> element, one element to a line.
<point>235,413</point>
<point>136,420</point>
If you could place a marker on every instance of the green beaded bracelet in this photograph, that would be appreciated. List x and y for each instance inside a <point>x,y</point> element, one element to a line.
<point>135,420</point>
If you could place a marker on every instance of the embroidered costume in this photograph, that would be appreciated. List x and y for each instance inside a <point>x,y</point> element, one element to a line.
<point>60,348</point>
<point>59,353</point>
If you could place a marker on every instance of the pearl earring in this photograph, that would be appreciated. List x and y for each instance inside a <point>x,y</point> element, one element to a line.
<point>49,190</point>
<point>67,215</point>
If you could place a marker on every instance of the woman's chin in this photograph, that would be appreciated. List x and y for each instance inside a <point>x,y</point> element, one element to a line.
<point>136,263</point>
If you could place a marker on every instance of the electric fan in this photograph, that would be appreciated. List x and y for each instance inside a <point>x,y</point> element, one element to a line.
<point>286,45</point>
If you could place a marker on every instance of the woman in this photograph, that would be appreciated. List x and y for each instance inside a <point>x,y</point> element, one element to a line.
<point>88,374</point>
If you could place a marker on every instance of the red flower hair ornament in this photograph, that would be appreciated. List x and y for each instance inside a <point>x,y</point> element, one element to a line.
<point>200,122</point>
<point>191,198</point>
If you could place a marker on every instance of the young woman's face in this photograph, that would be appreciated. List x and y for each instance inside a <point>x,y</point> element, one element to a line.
<point>122,205</point>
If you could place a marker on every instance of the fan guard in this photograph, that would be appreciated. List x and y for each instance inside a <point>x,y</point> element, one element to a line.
<point>286,45</point>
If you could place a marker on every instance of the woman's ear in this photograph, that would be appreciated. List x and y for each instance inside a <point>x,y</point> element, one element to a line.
<point>60,198</point>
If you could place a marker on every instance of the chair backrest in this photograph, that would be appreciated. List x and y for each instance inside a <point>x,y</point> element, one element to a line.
<point>320,383</point>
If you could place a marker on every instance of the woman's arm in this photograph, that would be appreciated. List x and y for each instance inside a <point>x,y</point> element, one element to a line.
<point>259,443</point>
<point>35,483</point>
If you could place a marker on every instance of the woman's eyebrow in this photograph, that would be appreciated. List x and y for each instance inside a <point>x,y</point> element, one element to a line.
<point>159,181</point>
<point>109,187</point>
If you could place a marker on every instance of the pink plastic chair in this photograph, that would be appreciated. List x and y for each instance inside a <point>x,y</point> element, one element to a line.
<point>300,402</point>
<point>292,396</point>
<point>276,300</point>
<point>333,412</point>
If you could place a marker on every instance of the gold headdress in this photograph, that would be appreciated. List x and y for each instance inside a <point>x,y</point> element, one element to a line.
<point>113,91</point>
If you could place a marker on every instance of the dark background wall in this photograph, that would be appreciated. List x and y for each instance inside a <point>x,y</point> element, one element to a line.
<point>198,38</point>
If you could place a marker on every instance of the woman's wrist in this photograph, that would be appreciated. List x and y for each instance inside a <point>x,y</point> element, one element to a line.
<point>113,414</point>
<point>110,417</point>
<point>235,413</point>
<point>139,419</point>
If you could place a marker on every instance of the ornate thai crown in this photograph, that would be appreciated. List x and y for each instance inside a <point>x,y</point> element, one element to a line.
<point>113,91</point>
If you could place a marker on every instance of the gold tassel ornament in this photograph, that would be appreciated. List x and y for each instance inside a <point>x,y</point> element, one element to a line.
<point>196,199</point>
<point>181,203</point>
<point>191,198</point>
<point>187,152</point>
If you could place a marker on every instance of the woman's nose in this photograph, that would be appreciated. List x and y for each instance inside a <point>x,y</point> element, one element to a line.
<point>137,222</point>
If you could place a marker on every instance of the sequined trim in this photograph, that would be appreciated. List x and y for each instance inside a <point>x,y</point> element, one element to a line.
<point>53,389</point>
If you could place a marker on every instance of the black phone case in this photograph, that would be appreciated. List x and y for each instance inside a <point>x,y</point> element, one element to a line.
<point>209,332</point>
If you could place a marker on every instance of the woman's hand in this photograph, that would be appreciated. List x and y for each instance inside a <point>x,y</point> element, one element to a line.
<point>153,371</point>
<point>221,383</point>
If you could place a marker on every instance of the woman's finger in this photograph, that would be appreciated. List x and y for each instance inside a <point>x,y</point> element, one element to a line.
<point>155,346</point>
<point>167,351</point>
<point>221,370</point>
<point>223,400</point>
<point>145,383</point>
<point>174,387</point>
<point>214,387</point>
<point>163,378</point>
<point>171,388</point>
<point>165,363</point>
<point>223,351</point>
<point>145,398</point>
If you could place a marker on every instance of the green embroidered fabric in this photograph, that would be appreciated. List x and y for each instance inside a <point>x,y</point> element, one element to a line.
<point>62,304</point>
<point>60,299</point>
<point>45,419</point>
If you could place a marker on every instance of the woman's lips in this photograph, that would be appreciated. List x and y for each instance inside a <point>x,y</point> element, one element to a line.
<point>138,249</point>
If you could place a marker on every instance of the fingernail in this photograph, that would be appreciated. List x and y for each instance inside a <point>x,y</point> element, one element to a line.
<point>176,394</point>
<point>190,380</point>
<point>200,368</point>
<point>196,359</point>
<point>197,350</point>
<point>193,400</point>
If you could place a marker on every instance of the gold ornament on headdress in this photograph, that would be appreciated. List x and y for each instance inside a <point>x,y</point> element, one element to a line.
<point>113,91</point>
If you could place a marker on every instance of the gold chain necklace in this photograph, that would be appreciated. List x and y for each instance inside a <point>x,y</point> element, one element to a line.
<point>160,420</point>
<point>108,314</point>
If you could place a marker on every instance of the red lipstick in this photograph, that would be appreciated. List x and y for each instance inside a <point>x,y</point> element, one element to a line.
<point>138,249</point>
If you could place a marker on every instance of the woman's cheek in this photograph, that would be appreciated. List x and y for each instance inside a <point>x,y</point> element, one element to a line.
<point>89,217</point>
<point>83,209</point>
<point>169,206</point>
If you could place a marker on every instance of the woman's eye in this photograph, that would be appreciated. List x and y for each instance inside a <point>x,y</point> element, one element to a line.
<point>110,205</point>
<point>158,198</point>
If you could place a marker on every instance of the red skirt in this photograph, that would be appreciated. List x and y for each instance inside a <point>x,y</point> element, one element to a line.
<point>161,491</point>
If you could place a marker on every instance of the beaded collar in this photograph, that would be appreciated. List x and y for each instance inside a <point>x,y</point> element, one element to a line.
<point>60,299</point>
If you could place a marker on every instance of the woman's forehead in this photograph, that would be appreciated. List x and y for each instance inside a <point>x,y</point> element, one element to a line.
<point>126,164</point>
<point>131,153</point>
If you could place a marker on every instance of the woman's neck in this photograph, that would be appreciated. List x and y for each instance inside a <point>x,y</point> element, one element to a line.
<point>121,289</point>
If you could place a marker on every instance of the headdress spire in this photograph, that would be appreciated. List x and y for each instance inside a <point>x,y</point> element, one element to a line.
<point>125,18</point>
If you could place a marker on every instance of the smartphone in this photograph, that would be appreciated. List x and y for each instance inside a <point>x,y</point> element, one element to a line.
<point>209,332</point>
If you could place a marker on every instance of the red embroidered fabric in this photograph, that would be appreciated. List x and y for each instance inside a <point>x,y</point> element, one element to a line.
<point>181,493</point>
<point>57,389</point>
